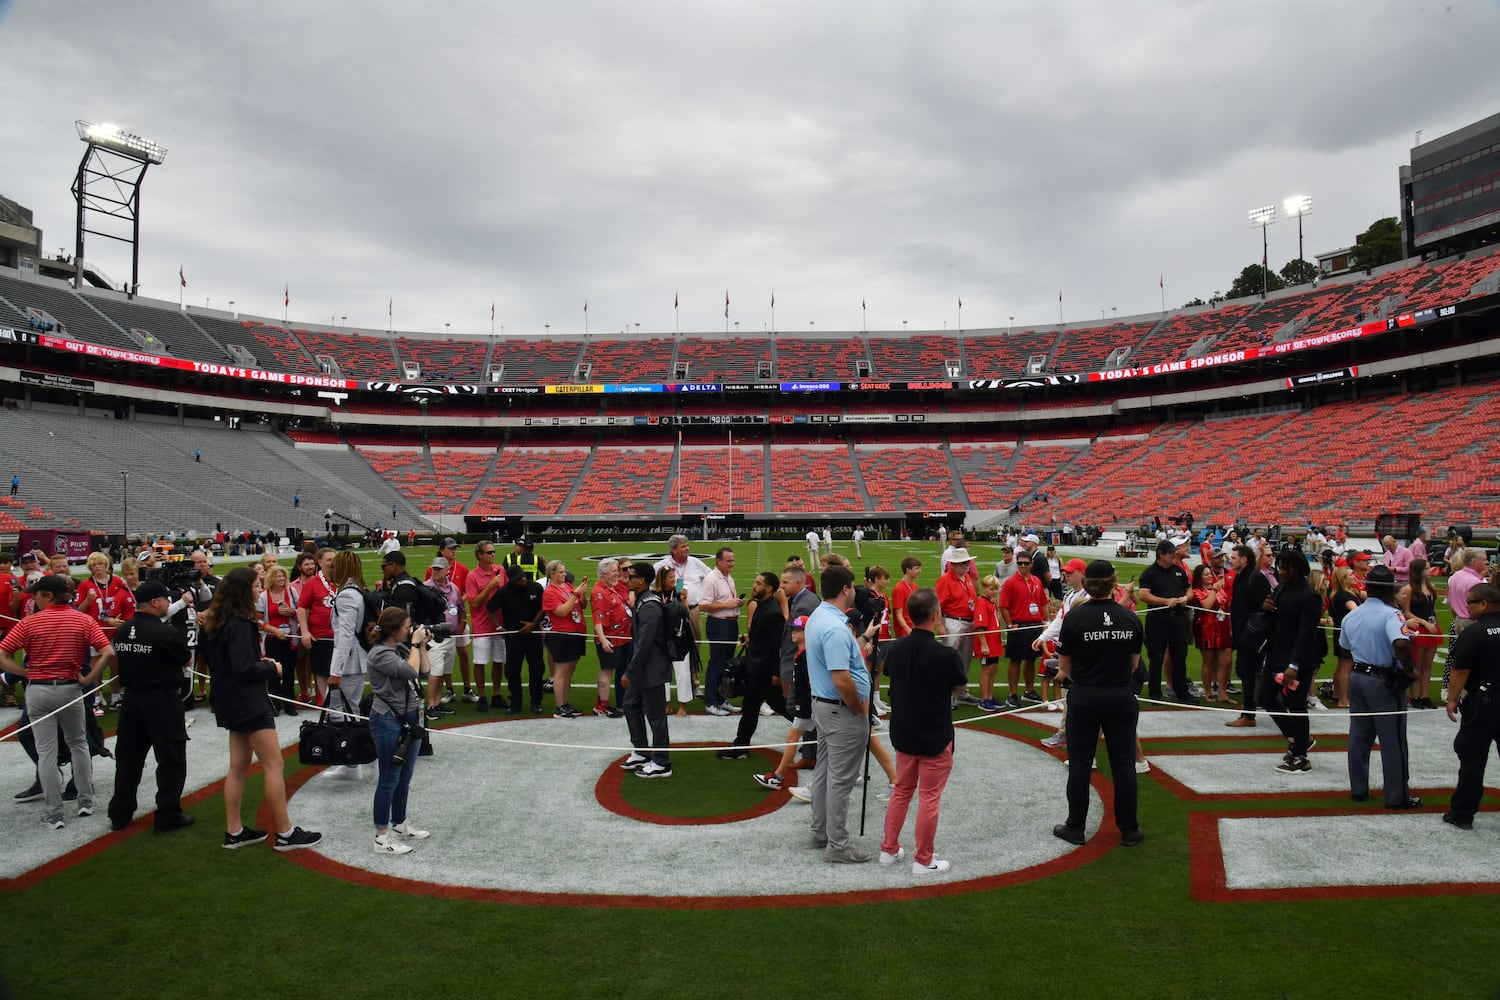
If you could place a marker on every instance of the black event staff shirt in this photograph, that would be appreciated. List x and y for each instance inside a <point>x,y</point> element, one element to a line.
<point>1167,584</point>
<point>517,605</point>
<point>1477,650</point>
<point>151,653</point>
<point>923,673</point>
<point>1102,639</point>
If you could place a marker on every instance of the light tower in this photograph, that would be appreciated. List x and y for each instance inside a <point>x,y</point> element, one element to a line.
<point>108,191</point>
<point>1263,217</point>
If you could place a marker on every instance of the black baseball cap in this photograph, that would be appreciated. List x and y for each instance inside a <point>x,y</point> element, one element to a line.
<point>150,591</point>
<point>1165,547</point>
<point>514,572</point>
<point>449,542</point>
<point>51,584</point>
<point>523,541</point>
<point>1099,569</point>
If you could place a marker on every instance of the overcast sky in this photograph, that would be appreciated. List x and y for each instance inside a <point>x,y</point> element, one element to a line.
<point>540,155</point>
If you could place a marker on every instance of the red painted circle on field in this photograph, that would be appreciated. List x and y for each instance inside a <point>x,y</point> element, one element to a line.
<point>610,793</point>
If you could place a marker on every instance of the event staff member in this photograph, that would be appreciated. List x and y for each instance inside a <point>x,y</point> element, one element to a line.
<point>762,659</point>
<point>519,604</point>
<point>457,573</point>
<point>1248,594</point>
<point>1099,652</point>
<point>646,680</point>
<point>456,617</point>
<point>1293,652</point>
<point>523,554</point>
<point>315,621</point>
<point>611,616</point>
<point>58,641</point>
<point>958,601</point>
<point>1373,634</point>
<point>1475,685</point>
<point>1023,608</point>
<point>841,711</point>
<point>923,673</point>
<point>719,602</point>
<point>565,605</point>
<point>1166,590</point>
<point>480,587</point>
<point>151,657</point>
<point>398,658</point>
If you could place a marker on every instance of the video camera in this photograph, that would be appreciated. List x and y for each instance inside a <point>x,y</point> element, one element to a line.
<point>177,576</point>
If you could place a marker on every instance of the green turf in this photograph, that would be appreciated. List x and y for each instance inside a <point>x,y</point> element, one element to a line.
<point>175,916</point>
<point>701,785</point>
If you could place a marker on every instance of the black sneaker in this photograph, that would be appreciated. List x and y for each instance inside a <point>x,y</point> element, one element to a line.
<point>71,792</point>
<point>1072,834</point>
<point>1013,702</point>
<point>1130,838</point>
<point>499,704</point>
<point>1031,696</point>
<point>536,709</point>
<point>566,711</point>
<point>297,839</point>
<point>482,705</point>
<point>32,794</point>
<point>246,837</point>
<point>1295,765</point>
<point>515,708</point>
<point>289,710</point>
<point>733,753</point>
<point>547,685</point>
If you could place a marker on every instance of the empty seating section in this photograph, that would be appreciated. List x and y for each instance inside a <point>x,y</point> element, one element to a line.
<point>1173,338</point>
<point>407,471</point>
<point>1455,280</point>
<point>359,357</point>
<point>460,361</point>
<point>814,479</point>
<point>1087,350</point>
<point>728,360</point>
<point>274,347</point>
<point>983,472</point>
<point>174,330</point>
<point>1005,355</point>
<point>711,478</point>
<point>458,474</point>
<point>919,357</point>
<point>1261,326</point>
<point>536,361</point>
<point>623,481</point>
<point>62,305</point>
<point>646,361</point>
<point>907,478</point>
<point>530,481</point>
<point>811,359</point>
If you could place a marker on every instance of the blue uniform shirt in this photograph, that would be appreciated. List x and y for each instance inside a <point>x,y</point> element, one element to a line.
<point>1369,632</point>
<point>831,646</point>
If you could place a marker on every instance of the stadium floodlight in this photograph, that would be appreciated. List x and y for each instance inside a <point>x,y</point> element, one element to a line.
<point>1263,217</point>
<point>107,189</point>
<point>1298,205</point>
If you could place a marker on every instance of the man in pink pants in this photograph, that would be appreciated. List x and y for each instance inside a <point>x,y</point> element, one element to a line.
<point>923,673</point>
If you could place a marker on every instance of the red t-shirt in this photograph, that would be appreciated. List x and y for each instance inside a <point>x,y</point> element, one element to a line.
<point>611,612</point>
<point>899,596</point>
<point>555,596</point>
<point>987,628</point>
<point>113,600</point>
<point>57,641</point>
<point>316,599</point>
<point>1024,599</point>
<point>956,596</point>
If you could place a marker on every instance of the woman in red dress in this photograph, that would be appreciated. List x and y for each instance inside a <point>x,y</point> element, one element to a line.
<point>1211,632</point>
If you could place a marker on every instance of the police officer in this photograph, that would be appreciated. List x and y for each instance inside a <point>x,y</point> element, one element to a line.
<point>1372,633</point>
<point>151,657</point>
<point>524,555</point>
<point>1165,588</point>
<point>1099,652</point>
<point>1473,684</point>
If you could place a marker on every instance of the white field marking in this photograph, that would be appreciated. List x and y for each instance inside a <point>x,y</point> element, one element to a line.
<point>1371,848</point>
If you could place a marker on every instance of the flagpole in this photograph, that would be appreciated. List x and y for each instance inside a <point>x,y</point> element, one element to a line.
<point>679,472</point>
<point>731,471</point>
<point>676,315</point>
<point>585,319</point>
<point>773,310</point>
<point>1059,307</point>
<point>863,328</point>
<point>1163,283</point>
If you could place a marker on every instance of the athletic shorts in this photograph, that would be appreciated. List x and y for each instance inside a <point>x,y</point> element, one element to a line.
<point>440,656</point>
<point>255,725</point>
<point>488,649</point>
<point>1018,641</point>
<point>803,725</point>
<point>565,647</point>
<point>321,657</point>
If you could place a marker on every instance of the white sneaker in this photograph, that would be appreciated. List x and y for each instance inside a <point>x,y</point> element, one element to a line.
<point>890,859</point>
<point>1054,706</point>
<point>1142,766</point>
<point>1316,704</point>
<point>937,867</point>
<point>385,845</point>
<point>802,793</point>
<point>1445,696</point>
<point>447,698</point>
<point>411,832</point>
<point>731,709</point>
<point>653,770</point>
<point>716,710</point>
<point>880,707</point>
<point>766,711</point>
<point>884,795</point>
<point>345,772</point>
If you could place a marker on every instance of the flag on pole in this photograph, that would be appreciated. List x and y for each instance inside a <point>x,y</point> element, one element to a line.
<point>773,298</point>
<point>287,295</point>
<point>182,276</point>
<point>1162,282</point>
<point>960,302</point>
<point>585,305</point>
<point>674,300</point>
<point>726,303</point>
<point>492,312</point>
<point>862,304</point>
<point>1059,295</point>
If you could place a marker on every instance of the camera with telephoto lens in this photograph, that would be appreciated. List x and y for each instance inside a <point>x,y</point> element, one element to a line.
<point>409,734</point>
<point>176,576</point>
<point>439,633</point>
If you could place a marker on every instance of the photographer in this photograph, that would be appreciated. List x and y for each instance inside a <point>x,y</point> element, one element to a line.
<point>398,658</point>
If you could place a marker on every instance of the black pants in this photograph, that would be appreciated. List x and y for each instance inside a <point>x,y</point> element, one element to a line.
<point>1247,663</point>
<point>1113,710</point>
<point>150,719</point>
<point>284,686</point>
<point>1295,726</point>
<point>758,691</point>
<point>1479,731</point>
<point>528,648</point>
<point>1167,632</point>
<point>648,706</point>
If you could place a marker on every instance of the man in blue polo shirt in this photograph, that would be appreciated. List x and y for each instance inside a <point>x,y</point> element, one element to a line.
<point>840,685</point>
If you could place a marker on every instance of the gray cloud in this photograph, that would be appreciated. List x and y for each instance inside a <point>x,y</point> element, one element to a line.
<point>541,155</point>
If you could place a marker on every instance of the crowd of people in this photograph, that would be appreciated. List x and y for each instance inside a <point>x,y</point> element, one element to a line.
<point>809,645</point>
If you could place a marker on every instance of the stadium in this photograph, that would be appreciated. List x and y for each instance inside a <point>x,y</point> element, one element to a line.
<point>1352,404</point>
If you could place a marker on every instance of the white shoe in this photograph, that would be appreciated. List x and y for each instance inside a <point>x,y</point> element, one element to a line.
<point>1445,696</point>
<point>1316,704</point>
<point>937,867</point>
<point>1054,706</point>
<point>766,711</point>
<point>890,859</point>
<point>385,845</point>
<point>1142,766</point>
<point>884,795</point>
<point>801,793</point>
<point>881,708</point>
<point>716,710</point>
<point>345,772</point>
<point>411,832</point>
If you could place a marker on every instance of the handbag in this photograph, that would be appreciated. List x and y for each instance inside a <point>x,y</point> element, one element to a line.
<point>344,741</point>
